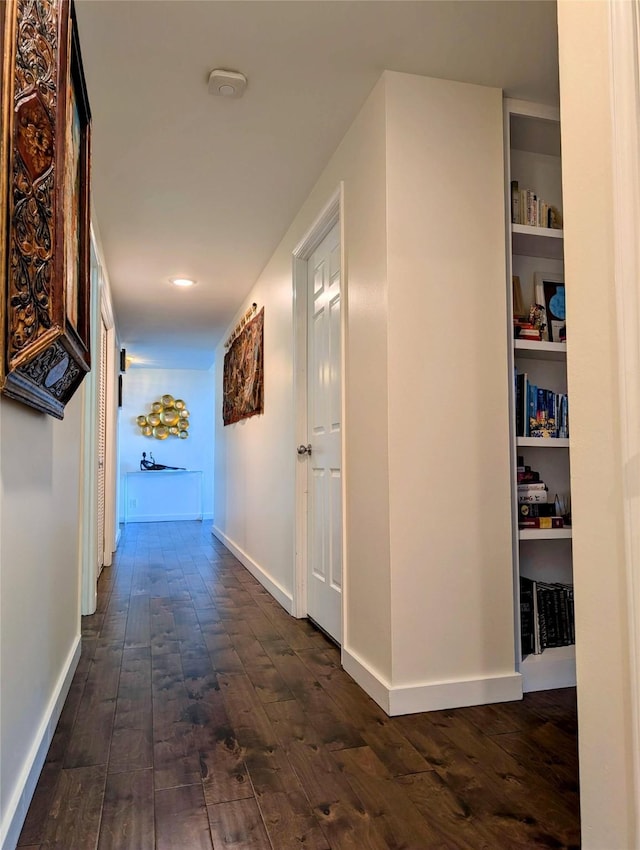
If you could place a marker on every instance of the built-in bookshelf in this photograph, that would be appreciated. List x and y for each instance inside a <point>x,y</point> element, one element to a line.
<point>540,405</point>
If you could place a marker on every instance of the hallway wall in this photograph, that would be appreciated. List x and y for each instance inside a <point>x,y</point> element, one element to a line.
<point>450,478</point>
<point>39,588</point>
<point>141,387</point>
<point>606,650</point>
<point>425,365</point>
<point>255,458</point>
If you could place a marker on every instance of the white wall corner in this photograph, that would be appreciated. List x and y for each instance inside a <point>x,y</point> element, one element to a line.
<point>276,590</point>
<point>14,816</point>
<point>431,696</point>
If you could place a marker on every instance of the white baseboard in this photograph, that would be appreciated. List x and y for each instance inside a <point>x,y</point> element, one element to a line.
<point>164,517</point>
<point>431,696</point>
<point>275,589</point>
<point>370,680</point>
<point>14,815</point>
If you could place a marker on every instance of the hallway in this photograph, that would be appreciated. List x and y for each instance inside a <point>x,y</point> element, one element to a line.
<point>203,716</point>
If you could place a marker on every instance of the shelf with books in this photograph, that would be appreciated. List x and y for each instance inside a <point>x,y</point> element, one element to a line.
<point>537,241</point>
<point>540,403</point>
<point>531,349</point>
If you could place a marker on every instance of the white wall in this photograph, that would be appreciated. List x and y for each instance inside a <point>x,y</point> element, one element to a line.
<point>39,591</point>
<point>426,401</point>
<point>608,800</point>
<point>255,472</point>
<point>450,497</point>
<point>143,386</point>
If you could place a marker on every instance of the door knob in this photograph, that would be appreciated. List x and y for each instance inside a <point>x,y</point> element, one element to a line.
<point>304,450</point>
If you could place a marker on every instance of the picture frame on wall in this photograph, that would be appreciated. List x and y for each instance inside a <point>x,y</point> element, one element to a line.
<point>45,187</point>
<point>549,292</point>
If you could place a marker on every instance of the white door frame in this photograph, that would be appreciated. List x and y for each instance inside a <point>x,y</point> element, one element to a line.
<point>100,311</point>
<point>625,98</point>
<point>332,213</point>
<point>111,431</point>
<point>89,567</point>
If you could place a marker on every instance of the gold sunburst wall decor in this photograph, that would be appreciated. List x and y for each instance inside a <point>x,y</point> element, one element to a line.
<point>169,417</point>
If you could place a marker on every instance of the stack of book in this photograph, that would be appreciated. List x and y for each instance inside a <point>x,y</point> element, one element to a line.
<point>540,412</point>
<point>523,329</point>
<point>546,615</point>
<point>528,208</point>
<point>534,508</point>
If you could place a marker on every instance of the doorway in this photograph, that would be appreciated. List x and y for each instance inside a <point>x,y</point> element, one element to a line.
<point>319,368</point>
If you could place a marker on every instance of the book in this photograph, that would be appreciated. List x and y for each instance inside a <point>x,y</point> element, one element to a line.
<point>540,412</point>
<point>529,477</point>
<point>515,202</point>
<point>530,486</point>
<point>541,522</point>
<point>527,616</point>
<point>533,496</point>
<point>521,405</point>
<point>533,509</point>
<point>553,614</point>
<point>537,633</point>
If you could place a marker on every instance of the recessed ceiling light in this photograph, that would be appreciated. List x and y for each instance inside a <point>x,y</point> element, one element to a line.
<point>182,281</point>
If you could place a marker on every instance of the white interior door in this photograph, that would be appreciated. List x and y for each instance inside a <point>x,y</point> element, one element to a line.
<point>102,442</point>
<point>324,400</point>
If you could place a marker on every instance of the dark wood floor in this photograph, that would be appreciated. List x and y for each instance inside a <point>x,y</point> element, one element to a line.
<point>203,716</point>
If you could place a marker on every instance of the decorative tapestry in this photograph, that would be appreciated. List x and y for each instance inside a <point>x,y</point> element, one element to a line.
<point>243,379</point>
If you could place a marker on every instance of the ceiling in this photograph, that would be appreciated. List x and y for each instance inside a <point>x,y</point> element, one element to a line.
<point>189,184</point>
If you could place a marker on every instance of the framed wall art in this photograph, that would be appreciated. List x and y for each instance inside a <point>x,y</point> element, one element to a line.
<point>45,184</point>
<point>549,293</point>
<point>243,375</point>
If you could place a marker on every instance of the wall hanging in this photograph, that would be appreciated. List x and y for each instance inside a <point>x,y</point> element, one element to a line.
<point>243,384</point>
<point>169,417</point>
<point>44,205</point>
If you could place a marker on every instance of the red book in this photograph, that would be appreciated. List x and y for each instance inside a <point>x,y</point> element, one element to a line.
<point>541,522</point>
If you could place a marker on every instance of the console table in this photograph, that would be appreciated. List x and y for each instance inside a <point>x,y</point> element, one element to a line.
<point>162,495</point>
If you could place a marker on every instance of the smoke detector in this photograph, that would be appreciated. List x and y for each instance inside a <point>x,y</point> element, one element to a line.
<point>227,83</point>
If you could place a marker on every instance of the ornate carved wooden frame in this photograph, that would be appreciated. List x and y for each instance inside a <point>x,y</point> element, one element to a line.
<point>44,198</point>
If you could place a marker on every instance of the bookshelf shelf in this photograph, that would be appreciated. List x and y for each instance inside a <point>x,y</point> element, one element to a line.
<point>537,241</point>
<point>532,350</point>
<point>553,668</point>
<point>542,568</point>
<point>544,534</point>
<point>542,442</point>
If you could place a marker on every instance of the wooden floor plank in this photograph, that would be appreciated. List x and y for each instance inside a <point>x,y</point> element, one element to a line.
<point>91,739</point>
<point>138,631</point>
<point>132,744</point>
<point>449,814</point>
<point>35,825</point>
<point>340,812</point>
<point>128,812</point>
<point>395,817</point>
<point>181,819</point>
<point>512,778</point>
<point>176,760</point>
<point>74,817</point>
<point>202,716</point>
<point>500,798</point>
<point>238,826</point>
